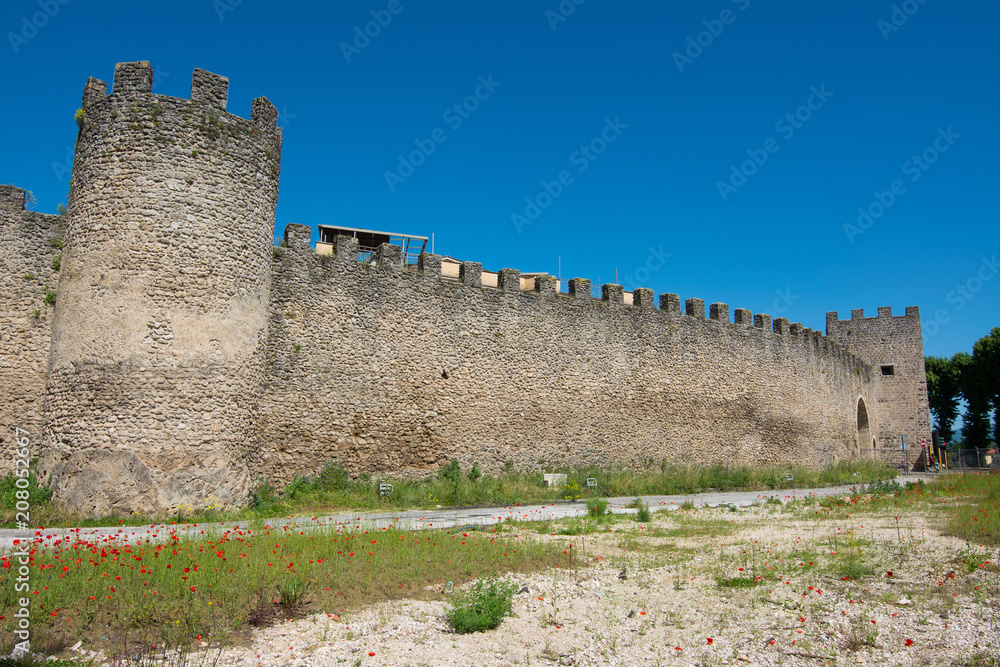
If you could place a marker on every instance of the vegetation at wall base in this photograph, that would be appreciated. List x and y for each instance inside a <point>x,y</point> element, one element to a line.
<point>333,489</point>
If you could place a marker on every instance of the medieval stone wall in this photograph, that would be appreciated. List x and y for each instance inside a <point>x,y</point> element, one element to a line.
<point>186,355</point>
<point>158,340</point>
<point>894,347</point>
<point>395,372</point>
<point>29,256</point>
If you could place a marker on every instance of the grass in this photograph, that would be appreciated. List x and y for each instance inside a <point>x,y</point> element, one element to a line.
<point>334,489</point>
<point>974,513</point>
<point>173,592</point>
<point>737,582</point>
<point>127,594</point>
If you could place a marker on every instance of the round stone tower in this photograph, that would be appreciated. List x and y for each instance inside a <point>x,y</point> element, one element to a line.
<point>158,340</point>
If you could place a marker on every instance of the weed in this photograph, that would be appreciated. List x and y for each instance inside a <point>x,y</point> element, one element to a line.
<point>864,633</point>
<point>643,513</point>
<point>290,595</point>
<point>332,477</point>
<point>297,487</point>
<point>37,495</point>
<point>597,507</point>
<point>483,607</point>
<point>264,494</point>
<point>451,472</point>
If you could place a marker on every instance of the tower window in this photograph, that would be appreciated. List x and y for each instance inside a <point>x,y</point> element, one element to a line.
<point>888,370</point>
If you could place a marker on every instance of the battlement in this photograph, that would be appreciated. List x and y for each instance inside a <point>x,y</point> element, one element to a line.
<point>11,199</point>
<point>387,257</point>
<point>884,312</point>
<point>133,83</point>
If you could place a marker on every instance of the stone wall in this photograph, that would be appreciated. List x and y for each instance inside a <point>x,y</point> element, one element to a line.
<point>395,372</point>
<point>158,340</point>
<point>186,356</point>
<point>29,252</point>
<point>894,347</point>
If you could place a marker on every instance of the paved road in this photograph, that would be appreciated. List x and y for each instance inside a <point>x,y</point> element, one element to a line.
<point>420,519</point>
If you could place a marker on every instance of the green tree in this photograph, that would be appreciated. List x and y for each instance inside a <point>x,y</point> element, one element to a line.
<point>986,358</point>
<point>943,393</point>
<point>975,390</point>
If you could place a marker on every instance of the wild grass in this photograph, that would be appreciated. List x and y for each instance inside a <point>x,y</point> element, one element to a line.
<point>333,488</point>
<point>175,592</point>
<point>972,506</point>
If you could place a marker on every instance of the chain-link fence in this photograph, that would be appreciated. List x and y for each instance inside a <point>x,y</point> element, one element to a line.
<point>970,459</point>
<point>893,457</point>
<point>936,460</point>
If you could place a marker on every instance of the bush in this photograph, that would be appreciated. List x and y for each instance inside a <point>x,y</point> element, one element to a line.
<point>452,472</point>
<point>299,486</point>
<point>597,507</point>
<point>332,477</point>
<point>262,496</point>
<point>483,607</point>
<point>643,513</point>
<point>882,487</point>
<point>37,495</point>
<point>475,473</point>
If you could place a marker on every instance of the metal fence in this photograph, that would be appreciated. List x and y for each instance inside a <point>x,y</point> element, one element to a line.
<point>909,460</point>
<point>969,459</point>
<point>893,457</point>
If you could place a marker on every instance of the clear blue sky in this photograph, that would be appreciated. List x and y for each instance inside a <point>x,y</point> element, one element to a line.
<point>675,116</point>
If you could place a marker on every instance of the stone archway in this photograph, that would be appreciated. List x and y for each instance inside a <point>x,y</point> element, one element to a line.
<point>864,429</point>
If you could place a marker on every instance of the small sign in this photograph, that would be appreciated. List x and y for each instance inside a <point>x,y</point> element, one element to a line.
<point>591,482</point>
<point>788,476</point>
<point>385,489</point>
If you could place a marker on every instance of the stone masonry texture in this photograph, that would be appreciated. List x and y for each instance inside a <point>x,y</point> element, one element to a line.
<point>29,254</point>
<point>158,348</point>
<point>186,357</point>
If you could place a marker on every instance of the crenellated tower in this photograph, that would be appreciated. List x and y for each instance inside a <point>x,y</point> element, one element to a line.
<point>159,333</point>
<point>894,347</point>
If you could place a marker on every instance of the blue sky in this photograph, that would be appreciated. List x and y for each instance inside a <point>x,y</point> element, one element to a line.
<point>713,149</point>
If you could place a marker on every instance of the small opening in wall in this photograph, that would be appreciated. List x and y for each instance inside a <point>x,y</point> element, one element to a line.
<point>444,374</point>
<point>888,370</point>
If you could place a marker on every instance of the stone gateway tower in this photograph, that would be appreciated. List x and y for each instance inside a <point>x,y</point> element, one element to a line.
<point>159,334</point>
<point>894,347</point>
